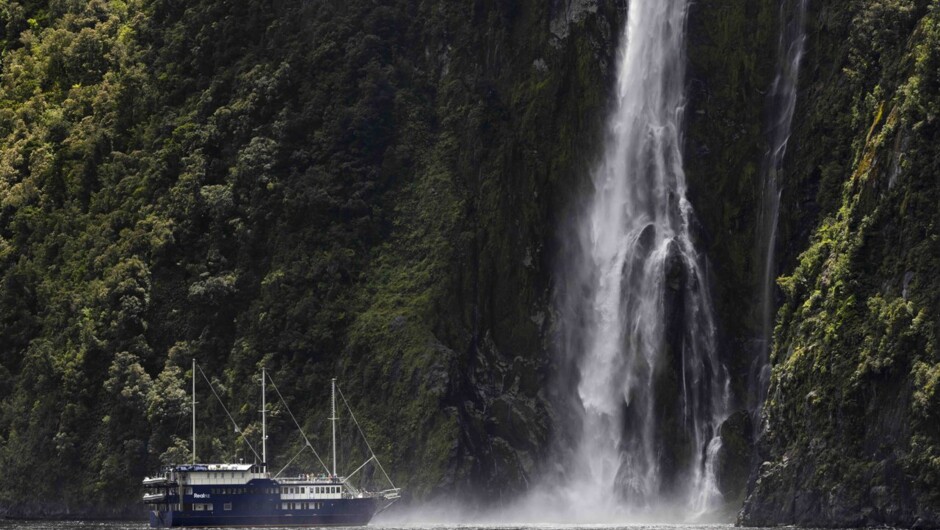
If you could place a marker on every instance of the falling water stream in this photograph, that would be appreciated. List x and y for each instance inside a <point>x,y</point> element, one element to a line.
<point>635,309</point>
<point>782,104</point>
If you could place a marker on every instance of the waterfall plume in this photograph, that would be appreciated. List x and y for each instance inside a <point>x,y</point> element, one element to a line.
<point>635,317</point>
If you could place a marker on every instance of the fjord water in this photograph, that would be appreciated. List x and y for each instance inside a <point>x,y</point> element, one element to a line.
<point>636,319</point>
<point>141,525</point>
<point>781,108</point>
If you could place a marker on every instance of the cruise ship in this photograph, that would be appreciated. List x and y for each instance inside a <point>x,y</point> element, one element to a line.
<point>226,495</point>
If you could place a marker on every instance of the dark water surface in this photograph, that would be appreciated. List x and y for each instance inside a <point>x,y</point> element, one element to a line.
<point>10,524</point>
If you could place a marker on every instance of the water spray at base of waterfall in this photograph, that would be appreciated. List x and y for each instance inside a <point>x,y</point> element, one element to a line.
<point>540,508</point>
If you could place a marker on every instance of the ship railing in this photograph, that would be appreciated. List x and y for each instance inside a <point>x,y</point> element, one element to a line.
<point>318,479</point>
<point>158,482</point>
<point>390,494</point>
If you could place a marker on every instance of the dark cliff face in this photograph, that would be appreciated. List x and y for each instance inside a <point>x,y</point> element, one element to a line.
<point>326,188</point>
<point>850,432</point>
<point>732,46</point>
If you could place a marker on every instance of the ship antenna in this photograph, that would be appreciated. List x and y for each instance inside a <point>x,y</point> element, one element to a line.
<point>333,419</point>
<point>194,411</point>
<point>264,428</point>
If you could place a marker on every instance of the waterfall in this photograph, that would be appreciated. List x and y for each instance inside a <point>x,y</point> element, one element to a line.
<point>635,317</point>
<point>781,106</point>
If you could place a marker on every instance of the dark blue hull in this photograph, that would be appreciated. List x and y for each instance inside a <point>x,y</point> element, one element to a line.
<point>346,512</point>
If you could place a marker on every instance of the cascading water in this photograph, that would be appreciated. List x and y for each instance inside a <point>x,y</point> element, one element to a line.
<point>635,313</point>
<point>782,104</point>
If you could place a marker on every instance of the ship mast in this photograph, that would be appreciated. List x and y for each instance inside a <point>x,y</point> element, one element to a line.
<point>194,410</point>
<point>333,419</point>
<point>264,429</point>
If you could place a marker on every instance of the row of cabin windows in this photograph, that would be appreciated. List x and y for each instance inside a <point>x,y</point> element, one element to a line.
<point>221,474</point>
<point>204,507</point>
<point>237,491</point>
<point>314,489</point>
<point>208,507</point>
<point>287,490</point>
<point>301,505</point>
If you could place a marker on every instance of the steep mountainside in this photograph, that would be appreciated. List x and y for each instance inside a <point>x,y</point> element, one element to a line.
<point>851,434</point>
<point>327,188</point>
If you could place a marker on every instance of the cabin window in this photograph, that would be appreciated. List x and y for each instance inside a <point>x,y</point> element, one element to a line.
<point>284,506</point>
<point>227,506</point>
<point>303,490</point>
<point>189,491</point>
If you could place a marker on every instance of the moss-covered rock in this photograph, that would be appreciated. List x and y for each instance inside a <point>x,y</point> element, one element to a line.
<point>846,441</point>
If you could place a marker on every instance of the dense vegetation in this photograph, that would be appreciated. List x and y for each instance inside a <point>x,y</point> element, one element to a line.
<point>852,435</point>
<point>373,191</point>
<point>326,188</point>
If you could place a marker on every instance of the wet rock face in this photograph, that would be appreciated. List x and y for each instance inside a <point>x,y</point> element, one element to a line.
<point>568,12</point>
<point>850,434</point>
<point>789,490</point>
<point>733,465</point>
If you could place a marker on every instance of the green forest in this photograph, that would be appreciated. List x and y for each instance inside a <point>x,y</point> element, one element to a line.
<point>374,191</point>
